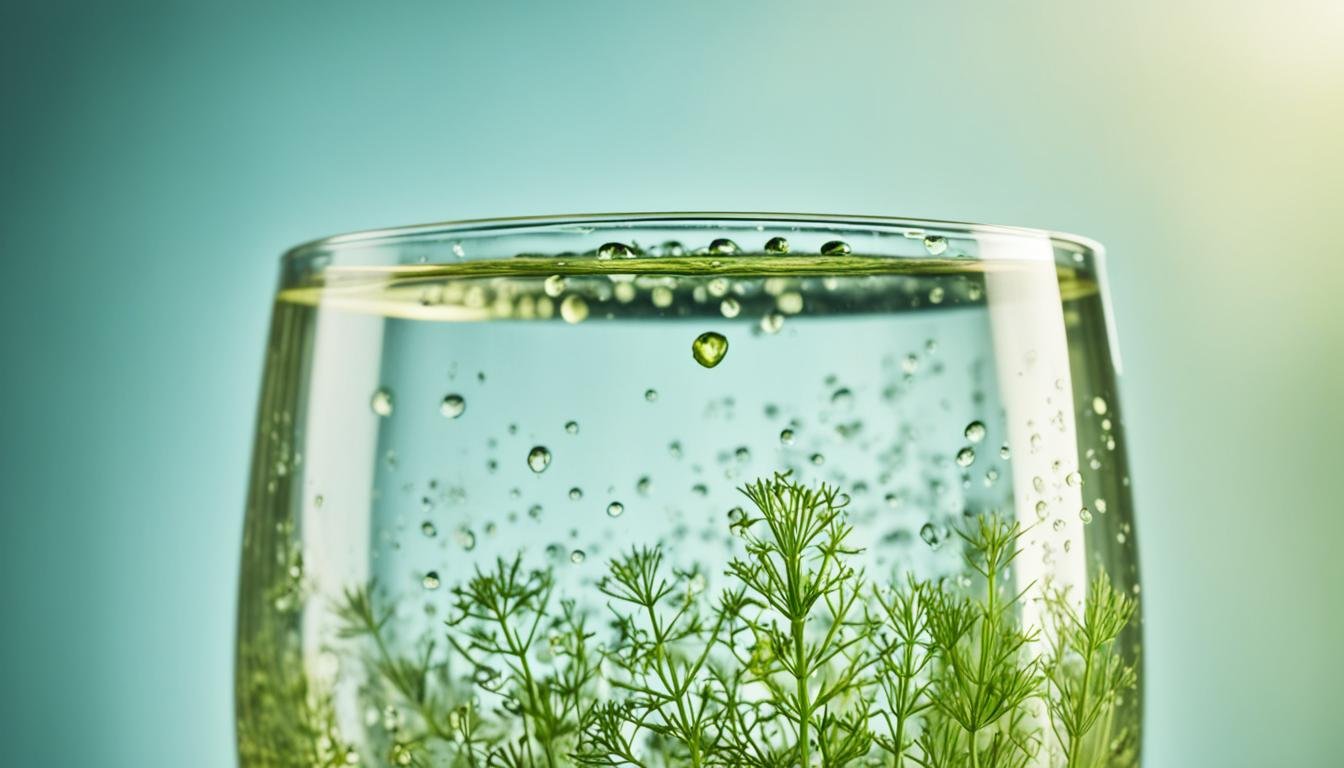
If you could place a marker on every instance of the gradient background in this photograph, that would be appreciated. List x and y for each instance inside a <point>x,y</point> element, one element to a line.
<point>156,158</point>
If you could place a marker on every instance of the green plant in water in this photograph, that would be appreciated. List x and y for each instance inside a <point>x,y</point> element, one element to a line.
<point>801,661</point>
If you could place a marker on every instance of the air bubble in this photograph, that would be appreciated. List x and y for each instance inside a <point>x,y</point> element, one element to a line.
<point>615,509</point>
<point>730,308</point>
<point>572,427</point>
<point>465,538</point>
<point>1073,479</point>
<point>786,437</point>
<point>554,286</point>
<point>835,248</point>
<point>428,529</point>
<point>610,251</point>
<point>723,247</point>
<point>575,493</point>
<point>430,581</point>
<point>1085,515</point>
<point>651,395</point>
<point>966,457</point>
<point>574,309</point>
<point>577,556</point>
<point>975,431</point>
<point>790,303</point>
<point>772,322</point>
<point>930,535</point>
<point>776,245</point>
<point>936,245</point>
<point>1099,406</point>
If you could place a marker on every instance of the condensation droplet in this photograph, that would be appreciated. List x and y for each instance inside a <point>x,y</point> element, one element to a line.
<point>835,248</point>
<point>723,247</point>
<point>1058,526</point>
<point>777,245</point>
<point>975,431</point>
<point>430,581</point>
<point>730,308</point>
<point>936,245</point>
<point>615,508</point>
<point>574,309</point>
<point>1041,508</point>
<point>538,459</point>
<point>1085,515</point>
<point>381,402</point>
<point>554,286</point>
<point>709,348</point>
<point>1073,479</point>
<point>966,457</point>
<point>1038,483</point>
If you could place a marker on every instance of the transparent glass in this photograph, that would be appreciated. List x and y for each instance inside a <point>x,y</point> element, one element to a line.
<point>690,489</point>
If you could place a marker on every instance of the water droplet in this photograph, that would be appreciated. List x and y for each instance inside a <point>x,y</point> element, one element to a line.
<point>936,245</point>
<point>465,538</point>
<point>817,459</point>
<point>1038,484</point>
<point>929,534</point>
<point>428,529</point>
<point>538,459</point>
<point>776,245</point>
<point>975,431</point>
<point>381,402</point>
<point>651,395</point>
<point>730,308</point>
<point>575,493</point>
<point>574,309</point>
<point>554,286</point>
<point>723,247</point>
<point>709,348</point>
<point>610,251</point>
<point>1099,406</point>
<point>430,581</point>
<point>835,248</point>
<point>615,508</point>
<point>577,556</point>
<point>786,436</point>
<point>1073,479</point>
<point>1085,515</point>
<point>572,427</point>
<point>1058,526</point>
<point>1041,508</point>
<point>452,406</point>
<point>966,457</point>
<point>772,322</point>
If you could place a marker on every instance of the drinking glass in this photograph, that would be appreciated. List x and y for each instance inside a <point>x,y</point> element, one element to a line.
<point>690,490</point>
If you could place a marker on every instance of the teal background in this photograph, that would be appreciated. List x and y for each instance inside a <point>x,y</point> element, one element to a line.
<point>156,158</point>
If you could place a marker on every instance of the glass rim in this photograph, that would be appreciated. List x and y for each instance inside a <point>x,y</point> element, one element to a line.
<point>893,224</point>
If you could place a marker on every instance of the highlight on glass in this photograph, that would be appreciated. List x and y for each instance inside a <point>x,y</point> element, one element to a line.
<point>690,490</point>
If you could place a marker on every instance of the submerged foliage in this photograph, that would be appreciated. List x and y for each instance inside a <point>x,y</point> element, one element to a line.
<point>803,660</point>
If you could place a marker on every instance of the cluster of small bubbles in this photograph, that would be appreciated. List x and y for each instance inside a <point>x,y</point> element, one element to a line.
<point>709,348</point>
<point>722,247</point>
<point>538,459</point>
<point>428,529</point>
<point>575,493</point>
<point>381,402</point>
<point>936,294</point>
<point>430,581</point>
<point>786,436</point>
<point>790,302</point>
<point>975,431</point>
<point>553,286</point>
<point>930,534</point>
<point>730,307</point>
<point>1099,406</point>
<point>609,251</point>
<point>642,485</point>
<point>966,457</point>
<point>1100,505</point>
<point>574,309</point>
<point>651,395</point>
<point>817,459</point>
<point>772,322</point>
<point>465,538</point>
<point>1073,479</point>
<point>1085,515</point>
<point>577,556</point>
<point>777,245</point>
<point>835,248</point>
<point>936,245</point>
<point>1041,509</point>
<point>572,427</point>
<point>615,508</point>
